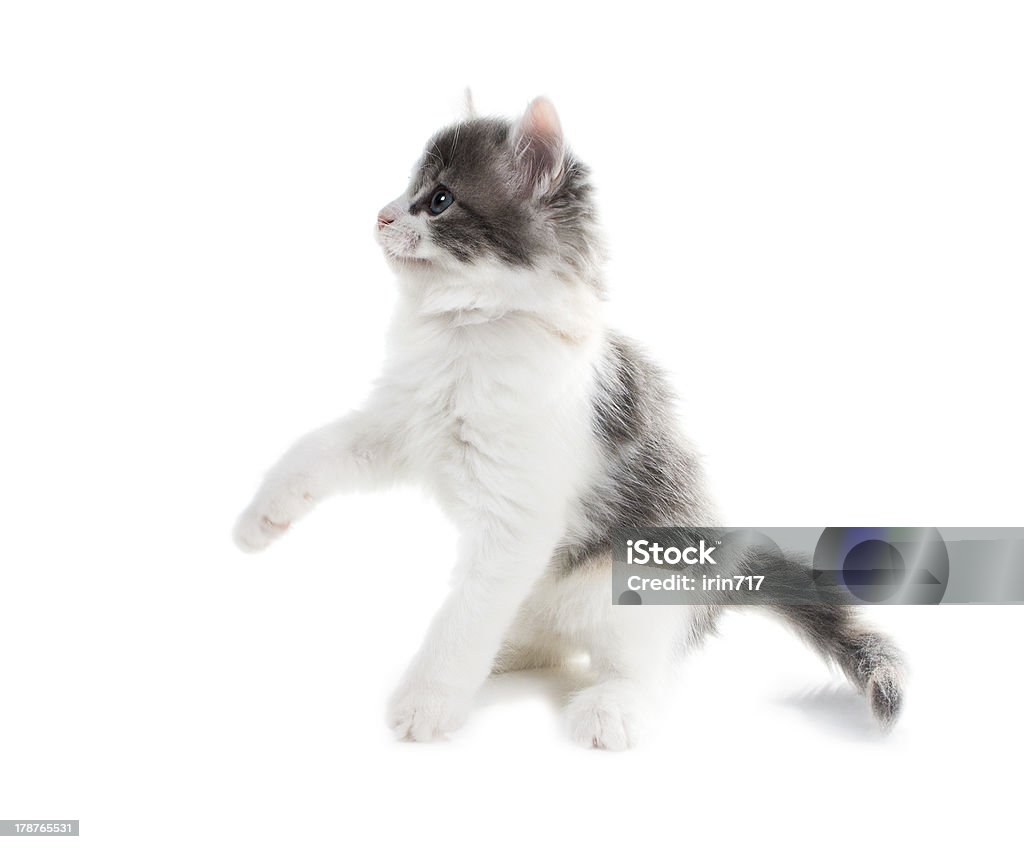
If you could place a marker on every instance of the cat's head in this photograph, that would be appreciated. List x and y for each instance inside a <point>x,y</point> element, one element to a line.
<point>494,200</point>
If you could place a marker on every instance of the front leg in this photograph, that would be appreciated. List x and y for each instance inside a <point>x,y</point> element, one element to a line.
<point>500,565</point>
<point>355,452</point>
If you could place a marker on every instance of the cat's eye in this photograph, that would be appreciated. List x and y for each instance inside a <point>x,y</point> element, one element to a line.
<point>442,199</point>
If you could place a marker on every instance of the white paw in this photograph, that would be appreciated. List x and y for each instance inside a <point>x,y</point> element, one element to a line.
<point>272,512</point>
<point>426,712</point>
<point>605,716</point>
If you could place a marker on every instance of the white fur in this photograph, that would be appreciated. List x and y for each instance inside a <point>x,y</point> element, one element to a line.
<point>486,399</point>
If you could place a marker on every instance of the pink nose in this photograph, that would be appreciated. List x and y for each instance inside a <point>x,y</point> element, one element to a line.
<point>384,217</point>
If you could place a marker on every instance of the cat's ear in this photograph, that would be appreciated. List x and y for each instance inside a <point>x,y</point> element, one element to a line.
<point>538,150</point>
<point>468,106</point>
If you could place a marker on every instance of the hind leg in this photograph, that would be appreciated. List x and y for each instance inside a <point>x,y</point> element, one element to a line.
<point>631,650</point>
<point>631,657</point>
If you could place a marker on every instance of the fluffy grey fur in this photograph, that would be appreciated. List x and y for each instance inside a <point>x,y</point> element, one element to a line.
<point>497,213</point>
<point>656,480</point>
<point>540,431</point>
<point>654,477</point>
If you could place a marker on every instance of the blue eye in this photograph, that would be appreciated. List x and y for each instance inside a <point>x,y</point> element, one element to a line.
<point>441,200</point>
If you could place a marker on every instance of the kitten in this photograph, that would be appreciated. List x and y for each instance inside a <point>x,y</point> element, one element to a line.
<point>539,429</point>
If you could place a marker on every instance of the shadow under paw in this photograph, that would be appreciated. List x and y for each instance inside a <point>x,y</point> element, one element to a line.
<point>839,710</point>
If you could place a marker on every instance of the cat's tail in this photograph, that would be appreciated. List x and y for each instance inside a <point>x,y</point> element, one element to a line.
<point>832,626</point>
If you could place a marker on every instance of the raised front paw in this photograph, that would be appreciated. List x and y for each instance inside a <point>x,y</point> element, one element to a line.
<point>272,512</point>
<point>425,712</point>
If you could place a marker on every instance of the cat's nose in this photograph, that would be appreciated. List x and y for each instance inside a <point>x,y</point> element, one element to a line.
<point>385,217</point>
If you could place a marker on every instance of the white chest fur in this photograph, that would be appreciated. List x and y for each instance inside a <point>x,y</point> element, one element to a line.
<point>492,407</point>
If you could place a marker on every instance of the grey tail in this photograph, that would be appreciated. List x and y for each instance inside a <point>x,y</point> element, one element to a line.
<point>870,659</point>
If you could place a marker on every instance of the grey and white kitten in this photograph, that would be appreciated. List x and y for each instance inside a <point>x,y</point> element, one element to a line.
<point>539,430</point>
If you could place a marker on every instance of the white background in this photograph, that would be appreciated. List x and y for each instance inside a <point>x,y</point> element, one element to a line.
<point>814,213</point>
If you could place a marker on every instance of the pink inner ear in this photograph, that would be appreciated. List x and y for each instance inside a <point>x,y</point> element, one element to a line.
<point>538,147</point>
<point>541,120</point>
